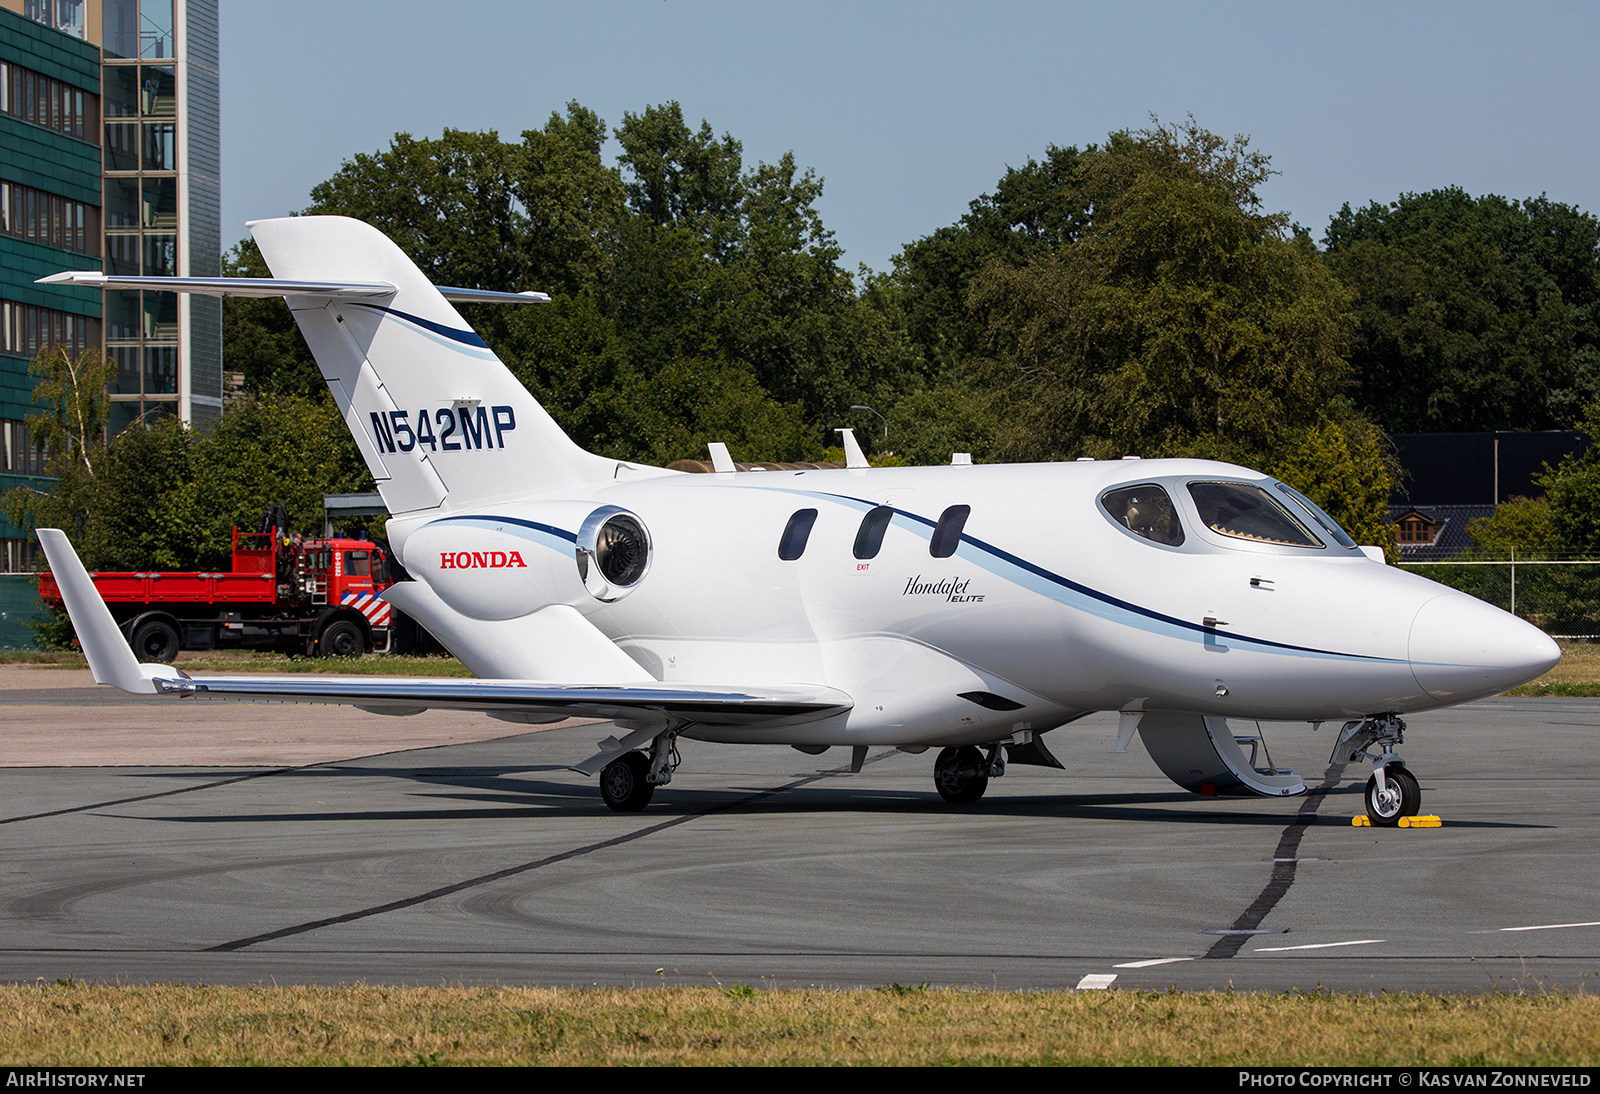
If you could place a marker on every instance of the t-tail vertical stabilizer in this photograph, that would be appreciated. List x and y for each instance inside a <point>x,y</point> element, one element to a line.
<point>441,421</point>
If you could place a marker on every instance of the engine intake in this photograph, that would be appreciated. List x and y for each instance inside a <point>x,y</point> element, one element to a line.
<point>613,553</point>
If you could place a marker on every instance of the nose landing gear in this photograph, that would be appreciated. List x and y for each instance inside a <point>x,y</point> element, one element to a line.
<point>1392,791</point>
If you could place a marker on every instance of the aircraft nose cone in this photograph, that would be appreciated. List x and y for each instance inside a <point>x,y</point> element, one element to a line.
<point>1462,648</point>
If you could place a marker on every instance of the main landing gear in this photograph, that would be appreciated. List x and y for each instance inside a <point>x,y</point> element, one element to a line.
<point>628,782</point>
<point>962,774</point>
<point>1392,791</point>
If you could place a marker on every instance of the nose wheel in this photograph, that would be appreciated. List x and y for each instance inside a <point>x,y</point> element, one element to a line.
<point>1398,796</point>
<point>1392,791</point>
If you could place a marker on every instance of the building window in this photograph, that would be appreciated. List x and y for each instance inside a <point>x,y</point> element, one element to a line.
<point>21,556</point>
<point>49,102</point>
<point>142,338</point>
<point>1416,528</point>
<point>63,15</point>
<point>135,29</point>
<point>26,329</point>
<point>22,455</point>
<point>45,218</point>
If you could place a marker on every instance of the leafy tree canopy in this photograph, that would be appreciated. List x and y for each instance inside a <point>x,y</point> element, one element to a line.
<point>1473,313</point>
<point>1179,320</point>
<point>160,496</point>
<point>678,257</point>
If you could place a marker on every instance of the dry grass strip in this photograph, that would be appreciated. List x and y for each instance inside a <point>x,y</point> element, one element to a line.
<point>76,1024</point>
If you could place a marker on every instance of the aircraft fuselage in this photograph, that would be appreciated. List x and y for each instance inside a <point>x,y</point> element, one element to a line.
<point>1043,601</point>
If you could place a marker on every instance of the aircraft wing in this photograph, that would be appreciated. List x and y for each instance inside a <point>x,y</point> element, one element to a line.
<point>650,706</point>
<point>523,700</point>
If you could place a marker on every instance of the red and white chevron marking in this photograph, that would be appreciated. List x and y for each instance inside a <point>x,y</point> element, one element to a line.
<point>368,604</point>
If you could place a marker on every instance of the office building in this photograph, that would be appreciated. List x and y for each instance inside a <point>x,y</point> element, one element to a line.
<point>109,159</point>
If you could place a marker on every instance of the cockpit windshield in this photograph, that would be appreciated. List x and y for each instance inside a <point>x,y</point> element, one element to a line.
<point>1329,525</point>
<point>1245,511</point>
<point>1145,511</point>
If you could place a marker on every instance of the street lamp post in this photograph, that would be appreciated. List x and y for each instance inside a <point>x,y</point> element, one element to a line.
<point>880,418</point>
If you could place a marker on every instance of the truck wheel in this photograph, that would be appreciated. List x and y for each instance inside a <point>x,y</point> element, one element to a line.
<point>155,642</point>
<point>342,638</point>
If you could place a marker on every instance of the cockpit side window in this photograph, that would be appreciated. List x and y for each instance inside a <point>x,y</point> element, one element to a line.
<point>1245,511</point>
<point>795,535</point>
<point>947,533</point>
<point>1145,511</point>
<point>869,537</point>
<point>1329,525</point>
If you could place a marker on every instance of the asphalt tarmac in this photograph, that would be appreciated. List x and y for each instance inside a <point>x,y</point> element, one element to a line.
<point>314,845</point>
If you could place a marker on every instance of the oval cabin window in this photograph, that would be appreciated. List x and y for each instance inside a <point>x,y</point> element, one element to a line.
<point>869,537</point>
<point>795,535</point>
<point>947,533</point>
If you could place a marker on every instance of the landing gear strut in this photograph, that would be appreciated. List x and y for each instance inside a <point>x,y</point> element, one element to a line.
<point>962,774</point>
<point>628,782</point>
<point>1392,791</point>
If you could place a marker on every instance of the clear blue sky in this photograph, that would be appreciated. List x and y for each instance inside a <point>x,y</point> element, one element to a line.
<point>910,110</point>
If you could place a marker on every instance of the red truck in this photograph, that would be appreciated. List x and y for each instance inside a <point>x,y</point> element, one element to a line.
<point>317,596</point>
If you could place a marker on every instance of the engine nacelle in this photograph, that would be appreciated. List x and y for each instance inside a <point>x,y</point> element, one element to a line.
<point>503,567</point>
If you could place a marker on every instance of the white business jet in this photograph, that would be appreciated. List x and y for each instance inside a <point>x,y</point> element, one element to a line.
<point>971,609</point>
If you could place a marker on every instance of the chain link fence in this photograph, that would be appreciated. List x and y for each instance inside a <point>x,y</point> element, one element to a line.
<point>1561,597</point>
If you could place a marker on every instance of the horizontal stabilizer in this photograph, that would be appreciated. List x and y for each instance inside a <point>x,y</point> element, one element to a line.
<point>272,286</point>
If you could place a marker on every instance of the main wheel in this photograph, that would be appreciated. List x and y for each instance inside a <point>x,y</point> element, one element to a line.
<point>954,786</point>
<point>342,638</point>
<point>1403,799</point>
<point>623,784</point>
<point>155,642</point>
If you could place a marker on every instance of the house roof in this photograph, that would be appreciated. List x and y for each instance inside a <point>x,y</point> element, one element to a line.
<point>1451,538</point>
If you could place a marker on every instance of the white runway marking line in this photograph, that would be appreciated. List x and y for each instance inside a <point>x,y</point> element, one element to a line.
<point>1096,980</point>
<point>1151,962</point>
<point>1552,926</point>
<point>1320,945</point>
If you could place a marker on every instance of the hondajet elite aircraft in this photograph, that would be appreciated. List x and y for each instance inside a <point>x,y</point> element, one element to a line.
<point>966,608</point>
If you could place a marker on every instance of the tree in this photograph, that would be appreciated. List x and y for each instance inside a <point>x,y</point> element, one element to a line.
<point>259,336</point>
<point>1181,320</point>
<point>572,203</point>
<point>1347,467</point>
<point>1564,522</point>
<point>1473,313</point>
<point>683,179</point>
<point>71,434</point>
<point>1034,210</point>
<point>449,204</point>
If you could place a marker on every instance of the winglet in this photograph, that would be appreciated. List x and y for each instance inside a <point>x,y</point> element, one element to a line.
<point>111,659</point>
